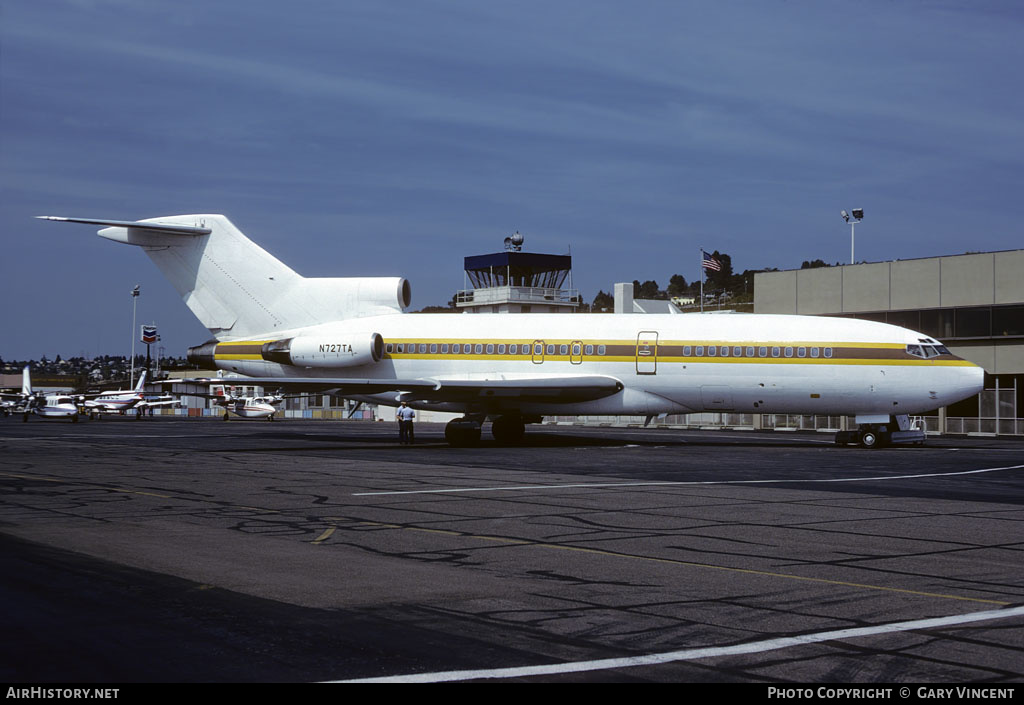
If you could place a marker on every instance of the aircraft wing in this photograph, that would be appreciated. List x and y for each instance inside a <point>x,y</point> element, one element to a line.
<point>89,396</point>
<point>152,403</point>
<point>539,388</point>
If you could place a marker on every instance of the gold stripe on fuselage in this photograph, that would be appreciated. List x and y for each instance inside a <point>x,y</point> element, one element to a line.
<point>774,352</point>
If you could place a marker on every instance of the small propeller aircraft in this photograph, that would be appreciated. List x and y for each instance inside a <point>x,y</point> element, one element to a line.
<point>254,407</point>
<point>16,402</point>
<point>52,406</point>
<point>120,400</point>
<point>47,406</point>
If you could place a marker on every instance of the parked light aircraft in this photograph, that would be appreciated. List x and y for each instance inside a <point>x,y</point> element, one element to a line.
<point>13,403</point>
<point>350,337</point>
<point>120,400</point>
<point>263,407</point>
<point>47,406</point>
<point>53,406</point>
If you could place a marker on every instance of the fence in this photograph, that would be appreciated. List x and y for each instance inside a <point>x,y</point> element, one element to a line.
<point>955,425</point>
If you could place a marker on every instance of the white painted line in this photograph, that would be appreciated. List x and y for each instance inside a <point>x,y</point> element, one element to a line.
<point>514,488</point>
<point>694,654</point>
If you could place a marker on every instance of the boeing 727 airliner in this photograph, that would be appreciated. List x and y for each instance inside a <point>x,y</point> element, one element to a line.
<point>350,337</point>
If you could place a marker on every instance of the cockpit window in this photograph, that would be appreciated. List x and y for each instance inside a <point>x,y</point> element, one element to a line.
<point>927,351</point>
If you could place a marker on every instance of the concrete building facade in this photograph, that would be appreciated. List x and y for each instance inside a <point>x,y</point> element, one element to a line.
<point>973,303</point>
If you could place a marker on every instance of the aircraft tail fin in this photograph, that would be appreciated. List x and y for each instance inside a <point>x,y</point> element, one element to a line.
<point>142,381</point>
<point>237,289</point>
<point>26,382</point>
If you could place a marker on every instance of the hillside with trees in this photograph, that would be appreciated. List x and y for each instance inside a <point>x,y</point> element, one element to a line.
<point>719,286</point>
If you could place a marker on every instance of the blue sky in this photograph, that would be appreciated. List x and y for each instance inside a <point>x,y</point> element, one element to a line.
<point>394,138</point>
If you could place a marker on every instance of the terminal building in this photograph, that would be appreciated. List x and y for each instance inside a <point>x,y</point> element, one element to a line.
<point>973,303</point>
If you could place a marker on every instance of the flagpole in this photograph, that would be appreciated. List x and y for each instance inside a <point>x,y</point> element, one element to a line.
<point>702,280</point>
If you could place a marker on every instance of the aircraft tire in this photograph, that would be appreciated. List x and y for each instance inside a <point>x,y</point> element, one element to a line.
<point>508,430</point>
<point>462,434</point>
<point>869,439</point>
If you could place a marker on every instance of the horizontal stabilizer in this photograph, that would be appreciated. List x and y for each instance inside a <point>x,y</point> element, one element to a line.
<point>134,224</point>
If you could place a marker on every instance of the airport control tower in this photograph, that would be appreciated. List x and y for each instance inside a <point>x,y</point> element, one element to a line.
<point>514,281</point>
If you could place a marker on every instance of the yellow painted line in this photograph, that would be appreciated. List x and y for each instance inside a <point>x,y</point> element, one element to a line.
<point>139,492</point>
<point>324,536</point>
<point>691,564</point>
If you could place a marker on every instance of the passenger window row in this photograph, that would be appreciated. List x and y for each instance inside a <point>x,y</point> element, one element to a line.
<point>577,349</point>
<point>494,348</point>
<point>754,351</point>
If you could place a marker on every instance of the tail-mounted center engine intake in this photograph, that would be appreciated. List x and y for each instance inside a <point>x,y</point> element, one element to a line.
<point>348,350</point>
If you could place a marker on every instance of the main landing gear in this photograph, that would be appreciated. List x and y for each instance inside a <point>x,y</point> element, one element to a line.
<point>462,432</point>
<point>507,430</point>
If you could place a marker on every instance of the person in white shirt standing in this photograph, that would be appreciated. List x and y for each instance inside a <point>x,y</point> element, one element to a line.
<point>405,416</point>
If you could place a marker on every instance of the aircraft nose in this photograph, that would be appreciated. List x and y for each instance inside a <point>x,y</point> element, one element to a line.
<point>973,380</point>
<point>968,381</point>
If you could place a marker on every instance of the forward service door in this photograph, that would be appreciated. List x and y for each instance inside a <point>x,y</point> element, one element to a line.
<point>647,352</point>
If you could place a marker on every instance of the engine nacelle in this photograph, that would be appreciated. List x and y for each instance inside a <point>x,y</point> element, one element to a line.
<point>343,350</point>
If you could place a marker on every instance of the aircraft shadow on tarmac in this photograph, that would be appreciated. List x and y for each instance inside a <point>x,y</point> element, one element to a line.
<point>434,440</point>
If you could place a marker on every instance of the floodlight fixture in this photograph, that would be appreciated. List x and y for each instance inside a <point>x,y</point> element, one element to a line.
<point>855,216</point>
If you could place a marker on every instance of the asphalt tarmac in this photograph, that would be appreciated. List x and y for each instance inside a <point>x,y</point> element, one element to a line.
<point>185,550</point>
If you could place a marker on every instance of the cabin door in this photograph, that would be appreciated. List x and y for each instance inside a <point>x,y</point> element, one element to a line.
<point>647,352</point>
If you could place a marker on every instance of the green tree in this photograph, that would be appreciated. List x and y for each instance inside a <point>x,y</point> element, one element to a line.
<point>648,290</point>
<point>722,278</point>
<point>677,286</point>
<point>603,302</point>
<point>814,265</point>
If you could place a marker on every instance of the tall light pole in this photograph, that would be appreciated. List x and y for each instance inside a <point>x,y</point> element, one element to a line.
<point>855,216</point>
<point>135,298</point>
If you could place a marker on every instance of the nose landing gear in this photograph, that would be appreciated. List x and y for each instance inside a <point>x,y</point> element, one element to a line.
<point>874,433</point>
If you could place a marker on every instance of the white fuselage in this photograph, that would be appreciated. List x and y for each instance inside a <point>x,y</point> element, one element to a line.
<point>57,407</point>
<point>113,402</point>
<point>251,407</point>
<point>667,363</point>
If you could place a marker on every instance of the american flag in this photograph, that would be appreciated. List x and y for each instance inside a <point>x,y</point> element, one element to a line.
<point>710,262</point>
